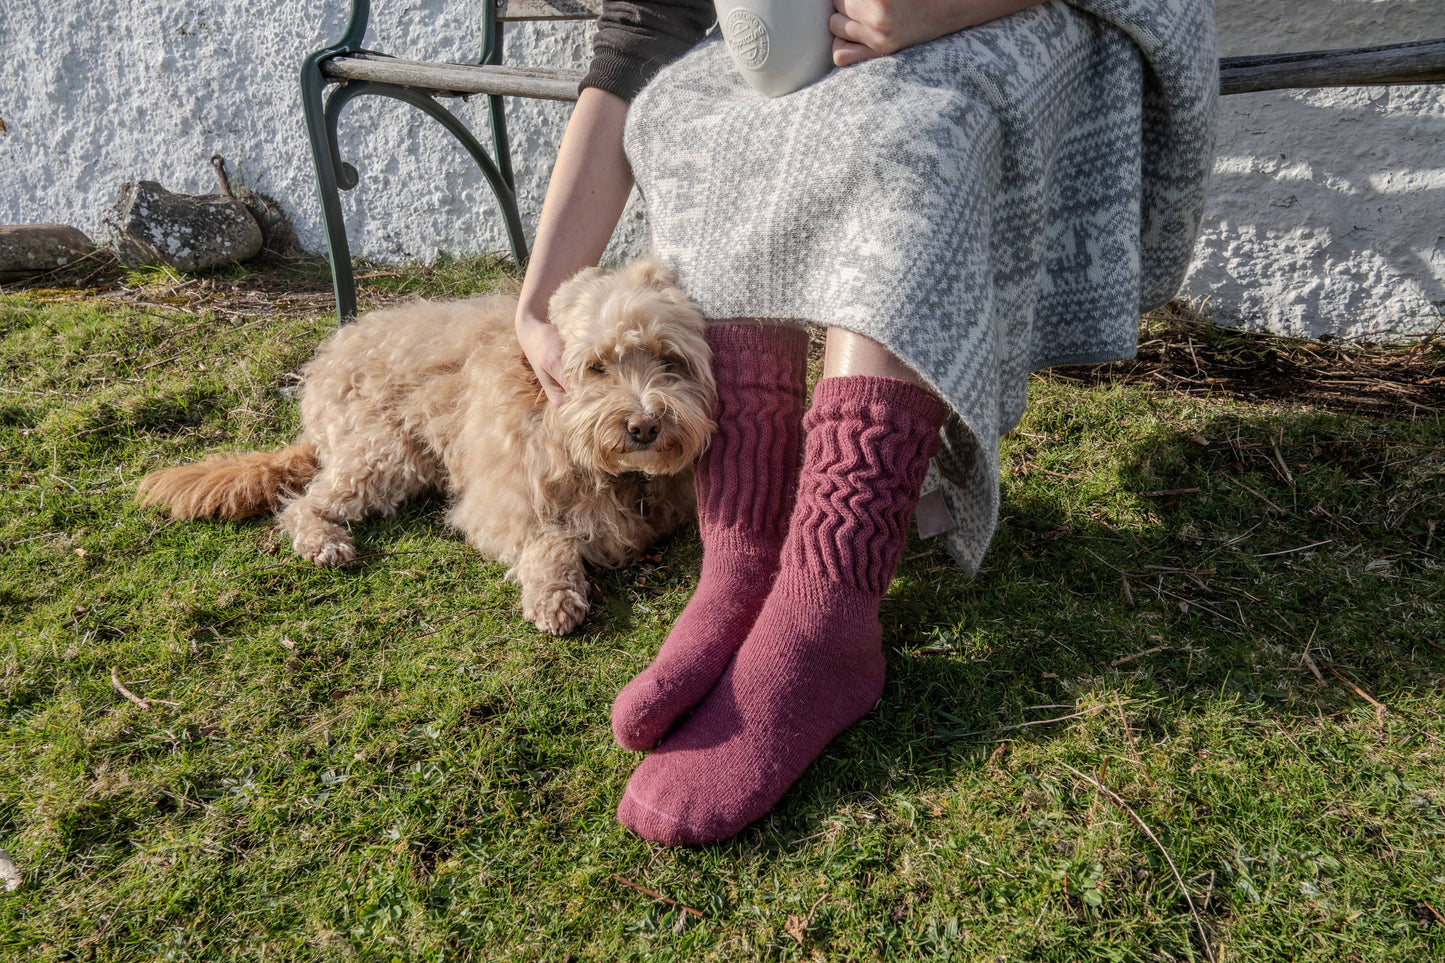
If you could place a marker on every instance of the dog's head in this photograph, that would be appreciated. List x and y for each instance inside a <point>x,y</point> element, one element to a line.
<point>640,391</point>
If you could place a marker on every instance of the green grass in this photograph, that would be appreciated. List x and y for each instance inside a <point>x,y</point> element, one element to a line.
<point>386,762</point>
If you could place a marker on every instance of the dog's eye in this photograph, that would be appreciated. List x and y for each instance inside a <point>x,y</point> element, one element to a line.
<point>597,367</point>
<point>665,364</point>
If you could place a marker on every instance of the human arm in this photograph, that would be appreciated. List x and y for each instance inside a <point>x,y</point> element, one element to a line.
<point>864,29</point>
<point>591,178</point>
<point>590,183</point>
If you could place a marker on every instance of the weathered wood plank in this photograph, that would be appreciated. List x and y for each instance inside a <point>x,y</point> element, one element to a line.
<point>1421,62</point>
<point>538,83</point>
<point>548,9</point>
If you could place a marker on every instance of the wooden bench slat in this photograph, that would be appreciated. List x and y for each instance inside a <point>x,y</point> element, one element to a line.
<point>548,9</point>
<point>539,83</point>
<point>1420,62</point>
<point>1411,63</point>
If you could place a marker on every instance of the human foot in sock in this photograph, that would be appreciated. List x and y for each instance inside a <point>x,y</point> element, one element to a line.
<point>812,664</point>
<point>746,482</point>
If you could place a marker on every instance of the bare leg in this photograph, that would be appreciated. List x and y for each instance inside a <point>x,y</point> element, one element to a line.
<point>844,353</point>
<point>847,353</point>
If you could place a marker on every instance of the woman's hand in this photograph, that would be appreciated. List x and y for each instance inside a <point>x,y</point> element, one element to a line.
<point>864,29</point>
<point>543,347</point>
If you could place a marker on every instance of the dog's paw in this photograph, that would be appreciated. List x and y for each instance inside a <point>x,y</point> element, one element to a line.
<point>557,613</point>
<point>335,555</point>
<point>328,553</point>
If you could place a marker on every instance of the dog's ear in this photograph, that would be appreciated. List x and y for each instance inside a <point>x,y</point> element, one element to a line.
<point>571,291</point>
<point>650,272</point>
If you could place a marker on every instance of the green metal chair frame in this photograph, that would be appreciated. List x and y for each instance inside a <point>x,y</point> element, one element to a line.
<point>333,175</point>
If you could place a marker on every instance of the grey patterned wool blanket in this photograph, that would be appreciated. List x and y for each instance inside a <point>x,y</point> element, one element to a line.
<point>1000,200</point>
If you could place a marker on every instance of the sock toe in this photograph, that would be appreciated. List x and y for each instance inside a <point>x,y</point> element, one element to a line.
<point>653,823</point>
<point>637,722</point>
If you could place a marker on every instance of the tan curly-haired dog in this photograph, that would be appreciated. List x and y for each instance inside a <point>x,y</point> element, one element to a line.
<point>439,395</point>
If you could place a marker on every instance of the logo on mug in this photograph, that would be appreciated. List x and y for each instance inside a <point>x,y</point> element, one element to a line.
<point>748,38</point>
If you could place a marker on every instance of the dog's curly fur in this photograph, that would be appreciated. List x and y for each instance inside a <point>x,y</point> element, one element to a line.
<point>439,395</point>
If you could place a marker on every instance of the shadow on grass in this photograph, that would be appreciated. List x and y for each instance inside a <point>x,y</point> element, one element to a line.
<point>1282,560</point>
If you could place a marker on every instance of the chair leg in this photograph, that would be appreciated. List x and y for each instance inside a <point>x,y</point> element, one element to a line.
<point>502,151</point>
<point>501,148</point>
<point>325,158</point>
<point>345,174</point>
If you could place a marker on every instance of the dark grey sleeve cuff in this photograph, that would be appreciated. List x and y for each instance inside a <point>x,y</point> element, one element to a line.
<point>618,73</point>
<point>637,38</point>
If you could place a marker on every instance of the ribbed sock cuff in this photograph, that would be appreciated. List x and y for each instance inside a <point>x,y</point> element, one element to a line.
<point>845,394</point>
<point>868,446</point>
<point>751,353</point>
<point>747,479</point>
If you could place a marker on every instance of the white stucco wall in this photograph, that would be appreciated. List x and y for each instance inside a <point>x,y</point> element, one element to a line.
<point>95,94</point>
<point>1327,210</point>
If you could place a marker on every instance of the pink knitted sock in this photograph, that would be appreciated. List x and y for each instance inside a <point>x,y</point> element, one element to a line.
<point>746,482</point>
<point>813,664</point>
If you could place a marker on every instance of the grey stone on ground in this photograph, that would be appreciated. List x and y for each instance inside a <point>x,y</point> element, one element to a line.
<point>277,234</point>
<point>30,249</point>
<point>150,225</point>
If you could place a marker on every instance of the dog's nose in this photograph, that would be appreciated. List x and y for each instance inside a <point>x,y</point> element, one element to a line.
<point>643,428</point>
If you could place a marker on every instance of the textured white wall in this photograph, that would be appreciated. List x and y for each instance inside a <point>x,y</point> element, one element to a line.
<point>96,94</point>
<point>1327,214</point>
<point>1327,208</point>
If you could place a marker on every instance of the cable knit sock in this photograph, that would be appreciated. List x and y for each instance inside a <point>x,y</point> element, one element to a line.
<point>746,482</point>
<point>813,664</point>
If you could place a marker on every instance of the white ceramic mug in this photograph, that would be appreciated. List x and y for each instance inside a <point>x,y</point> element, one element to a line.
<point>778,45</point>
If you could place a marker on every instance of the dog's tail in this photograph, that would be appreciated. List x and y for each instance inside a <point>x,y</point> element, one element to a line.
<point>231,487</point>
